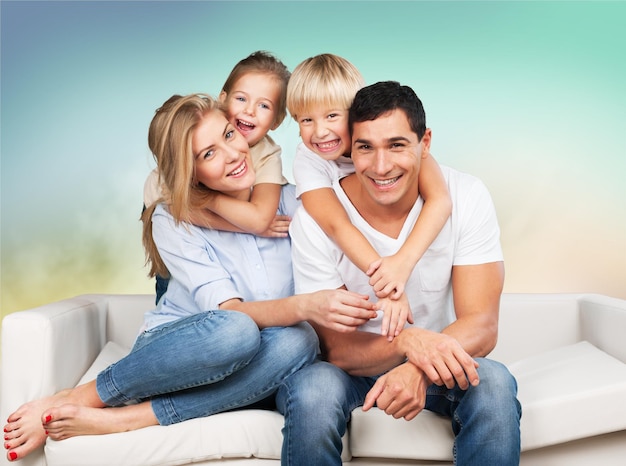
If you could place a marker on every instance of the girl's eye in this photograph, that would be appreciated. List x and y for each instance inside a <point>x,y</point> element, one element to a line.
<point>240,99</point>
<point>265,106</point>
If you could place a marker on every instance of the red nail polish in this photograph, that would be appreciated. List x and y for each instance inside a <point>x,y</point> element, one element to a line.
<point>48,418</point>
<point>6,446</point>
<point>12,456</point>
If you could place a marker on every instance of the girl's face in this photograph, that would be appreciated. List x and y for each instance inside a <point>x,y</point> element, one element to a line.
<point>325,132</point>
<point>251,105</point>
<point>222,156</point>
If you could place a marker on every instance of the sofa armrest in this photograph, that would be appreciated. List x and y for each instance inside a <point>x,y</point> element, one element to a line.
<point>49,348</point>
<point>603,323</point>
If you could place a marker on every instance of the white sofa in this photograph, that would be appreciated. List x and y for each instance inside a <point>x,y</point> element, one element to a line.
<point>567,351</point>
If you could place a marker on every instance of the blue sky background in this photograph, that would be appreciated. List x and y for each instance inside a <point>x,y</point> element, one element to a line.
<point>529,96</point>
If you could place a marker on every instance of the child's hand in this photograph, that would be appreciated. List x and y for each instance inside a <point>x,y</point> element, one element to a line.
<point>388,276</point>
<point>395,314</point>
<point>279,228</point>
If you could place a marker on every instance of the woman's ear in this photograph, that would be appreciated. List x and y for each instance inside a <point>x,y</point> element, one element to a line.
<point>425,142</point>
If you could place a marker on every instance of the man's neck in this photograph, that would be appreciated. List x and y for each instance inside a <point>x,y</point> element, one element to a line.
<point>386,218</point>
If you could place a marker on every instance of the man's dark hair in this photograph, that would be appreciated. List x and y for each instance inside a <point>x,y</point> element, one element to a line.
<point>377,99</point>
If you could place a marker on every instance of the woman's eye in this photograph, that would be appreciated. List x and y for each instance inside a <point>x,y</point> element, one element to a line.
<point>230,134</point>
<point>208,154</point>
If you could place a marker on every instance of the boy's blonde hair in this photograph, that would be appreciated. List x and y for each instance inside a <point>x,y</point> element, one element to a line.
<point>170,141</point>
<point>263,62</point>
<point>324,80</point>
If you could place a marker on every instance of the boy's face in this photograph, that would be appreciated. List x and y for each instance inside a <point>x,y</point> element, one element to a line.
<point>251,105</point>
<point>325,132</point>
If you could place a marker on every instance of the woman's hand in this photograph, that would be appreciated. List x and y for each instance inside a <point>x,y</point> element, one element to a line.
<point>339,310</point>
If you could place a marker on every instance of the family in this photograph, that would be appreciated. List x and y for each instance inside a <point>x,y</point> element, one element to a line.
<point>374,281</point>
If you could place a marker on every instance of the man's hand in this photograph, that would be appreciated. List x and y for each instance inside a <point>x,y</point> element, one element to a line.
<point>401,392</point>
<point>339,310</point>
<point>441,357</point>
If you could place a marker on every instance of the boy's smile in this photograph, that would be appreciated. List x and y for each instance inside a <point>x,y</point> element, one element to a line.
<point>325,132</point>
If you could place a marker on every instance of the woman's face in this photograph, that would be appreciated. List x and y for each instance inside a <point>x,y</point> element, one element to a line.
<point>222,156</point>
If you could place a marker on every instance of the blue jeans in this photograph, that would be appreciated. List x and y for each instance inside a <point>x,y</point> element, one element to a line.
<point>317,401</point>
<point>207,363</point>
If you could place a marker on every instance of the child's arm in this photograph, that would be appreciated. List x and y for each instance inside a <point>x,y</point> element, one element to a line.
<point>392,272</point>
<point>256,216</point>
<point>324,207</point>
<point>322,204</point>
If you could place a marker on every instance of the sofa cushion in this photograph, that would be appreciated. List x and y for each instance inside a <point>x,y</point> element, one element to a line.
<point>569,393</point>
<point>375,434</point>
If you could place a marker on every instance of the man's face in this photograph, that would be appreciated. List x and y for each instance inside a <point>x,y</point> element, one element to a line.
<point>386,155</point>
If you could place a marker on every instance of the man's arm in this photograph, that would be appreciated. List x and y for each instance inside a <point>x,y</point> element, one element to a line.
<point>445,357</point>
<point>477,290</point>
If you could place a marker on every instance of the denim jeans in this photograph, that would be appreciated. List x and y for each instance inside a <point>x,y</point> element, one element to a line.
<point>207,363</point>
<point>317,401</point>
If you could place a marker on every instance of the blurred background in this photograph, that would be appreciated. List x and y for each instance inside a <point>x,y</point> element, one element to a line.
<point>528,96</point>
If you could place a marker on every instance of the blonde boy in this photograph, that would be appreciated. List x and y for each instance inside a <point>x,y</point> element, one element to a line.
<point>319,94</point>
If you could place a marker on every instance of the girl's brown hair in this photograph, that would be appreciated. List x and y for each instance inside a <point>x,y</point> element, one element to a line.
<point>263,63</point>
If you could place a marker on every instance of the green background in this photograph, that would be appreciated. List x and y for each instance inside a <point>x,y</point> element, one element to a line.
<point>529,96</point>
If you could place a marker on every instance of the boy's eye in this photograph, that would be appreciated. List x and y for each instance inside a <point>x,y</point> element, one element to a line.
<point>305,120</point>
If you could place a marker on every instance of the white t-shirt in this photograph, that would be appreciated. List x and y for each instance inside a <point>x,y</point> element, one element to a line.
<point>470,236</point>
<point>310,171</point>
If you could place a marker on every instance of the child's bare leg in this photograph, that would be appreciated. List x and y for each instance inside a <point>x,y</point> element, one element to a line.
<point>72,420</point>
<point>24,431</point>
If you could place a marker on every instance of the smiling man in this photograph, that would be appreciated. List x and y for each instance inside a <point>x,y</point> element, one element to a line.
<point>437,363</point>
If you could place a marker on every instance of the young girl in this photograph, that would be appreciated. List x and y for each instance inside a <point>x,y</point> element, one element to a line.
<point>228,330</point>
<point>254,99</point>
<point>319,94</point>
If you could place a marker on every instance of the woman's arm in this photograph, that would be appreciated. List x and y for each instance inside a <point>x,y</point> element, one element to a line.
<point>339,310</point>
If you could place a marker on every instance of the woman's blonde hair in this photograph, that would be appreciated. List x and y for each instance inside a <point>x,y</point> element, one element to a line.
<point>170,140</point>
<point>324,80</point>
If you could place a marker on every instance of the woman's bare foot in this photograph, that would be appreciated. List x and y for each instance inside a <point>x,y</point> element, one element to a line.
<point>25,432</point>
<point>72,420</point>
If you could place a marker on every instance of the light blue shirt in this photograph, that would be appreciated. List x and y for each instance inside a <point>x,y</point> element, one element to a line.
<point>208,267</point>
